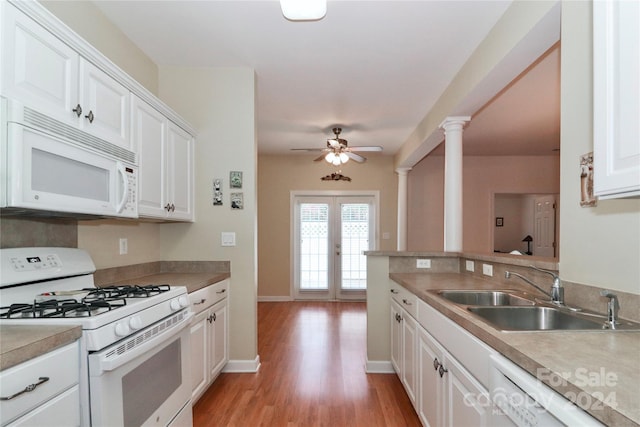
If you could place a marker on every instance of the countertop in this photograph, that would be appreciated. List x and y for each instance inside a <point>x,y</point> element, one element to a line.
<point>601,368</point>
<point>23,342</point>
<point>192,281</point>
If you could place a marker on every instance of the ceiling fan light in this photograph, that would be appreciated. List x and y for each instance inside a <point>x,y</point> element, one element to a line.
<point>336,160</point>
<point>330,157</point>
<point>304,10</point>
<point>344,158</point>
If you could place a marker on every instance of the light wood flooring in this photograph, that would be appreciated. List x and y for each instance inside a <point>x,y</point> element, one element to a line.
<point>312,374</point>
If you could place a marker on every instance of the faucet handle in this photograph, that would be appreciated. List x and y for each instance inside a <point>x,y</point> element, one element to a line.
<point>613,298</point>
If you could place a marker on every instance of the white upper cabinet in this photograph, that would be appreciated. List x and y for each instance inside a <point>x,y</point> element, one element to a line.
<point>106,106</point>
<point>180,173</point>
<point>47,75</point>
<point>616,98</point>
<point>38,68</point>
<point>165,176</point>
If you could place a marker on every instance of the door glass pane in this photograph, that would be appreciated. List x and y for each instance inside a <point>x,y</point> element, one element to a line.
<point>314,246</point>
<point>355,240</point>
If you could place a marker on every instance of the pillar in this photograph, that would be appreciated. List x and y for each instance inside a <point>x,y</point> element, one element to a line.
<point>402,208</point>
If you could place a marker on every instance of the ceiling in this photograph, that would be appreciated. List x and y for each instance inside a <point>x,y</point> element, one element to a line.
<point>374,68</point>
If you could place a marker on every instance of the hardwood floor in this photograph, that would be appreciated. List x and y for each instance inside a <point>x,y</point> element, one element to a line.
<point>312,374</point>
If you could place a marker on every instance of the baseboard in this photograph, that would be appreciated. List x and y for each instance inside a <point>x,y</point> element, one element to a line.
<point>379,367</point>
<point>247,366</point>
<point>274,298</point>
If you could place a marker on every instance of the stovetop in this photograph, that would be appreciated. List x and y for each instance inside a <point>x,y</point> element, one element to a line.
<point>80,303</point>
<point>54,286</point>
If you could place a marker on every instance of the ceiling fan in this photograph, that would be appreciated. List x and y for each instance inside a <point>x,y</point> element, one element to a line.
<point>338,150</point>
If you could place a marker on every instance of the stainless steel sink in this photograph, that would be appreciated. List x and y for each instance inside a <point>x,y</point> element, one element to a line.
<point>534,319</point>
<point>484,298</point>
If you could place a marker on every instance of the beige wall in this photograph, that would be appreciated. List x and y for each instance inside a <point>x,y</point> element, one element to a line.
<point>279,175</point>
<point>90,23</point>
<point>483,177</point>
<point>599,246</point>
<point>220,103</point>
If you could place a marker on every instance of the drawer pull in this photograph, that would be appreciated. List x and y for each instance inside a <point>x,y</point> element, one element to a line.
<point>27,389</point>
<point>200,302</point>
<point>221,292</point>
<point>394,291</point>
<point>407,302</point>
<point>442,370</point>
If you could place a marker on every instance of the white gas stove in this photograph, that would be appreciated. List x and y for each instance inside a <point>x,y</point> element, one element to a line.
<point>126,331</point>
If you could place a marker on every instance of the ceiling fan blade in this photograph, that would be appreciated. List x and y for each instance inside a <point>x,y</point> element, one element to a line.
<point>358,158</point>
<point>320,158</point>
<point>365,148</point>
<point>308,149</point>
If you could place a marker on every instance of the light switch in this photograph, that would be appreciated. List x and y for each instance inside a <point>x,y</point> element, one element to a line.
<point>470,265</point>
<point>228,238</point>
<point>487,269</point>
<point>423,263</point>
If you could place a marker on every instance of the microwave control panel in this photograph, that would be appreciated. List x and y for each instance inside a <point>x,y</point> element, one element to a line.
<point>131,205</point>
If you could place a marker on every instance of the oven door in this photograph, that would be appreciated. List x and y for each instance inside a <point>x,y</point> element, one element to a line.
<point>144,380</point>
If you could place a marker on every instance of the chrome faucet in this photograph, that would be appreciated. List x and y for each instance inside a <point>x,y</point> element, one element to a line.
<point>557,291</point>
<point>612,309</point>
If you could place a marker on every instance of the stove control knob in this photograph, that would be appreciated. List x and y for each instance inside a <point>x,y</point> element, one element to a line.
<point>135,323</point>
<point>122,329</point>
<point>184,301</point>
<point>175,304</point>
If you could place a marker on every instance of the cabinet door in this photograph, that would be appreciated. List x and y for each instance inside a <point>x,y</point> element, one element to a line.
<point>62,410</point>
<point>220,334</point>
<point>467,402</point>
<point>430,403</point>
<point>180,158</point>
<point>409,342</point>
<point>37,68</point>
<point>396,337</point>
<point>105,104</point>
<point>150,138</point>
<point>199,363</point>
<point>616,98</point>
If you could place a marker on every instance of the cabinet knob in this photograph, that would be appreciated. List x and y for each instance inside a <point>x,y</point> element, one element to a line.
<point>442,370</point>
<point>167,207</point>
<point>78,110</point>
<point>173,207</point>
<point>394,291</point>
<point>436,364</point>
<point>90,116</point>
<point>406,302</point>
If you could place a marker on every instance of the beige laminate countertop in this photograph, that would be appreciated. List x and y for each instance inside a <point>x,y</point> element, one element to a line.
<point>192,281</point>
<point>19,343</point>
<point>599,364</point>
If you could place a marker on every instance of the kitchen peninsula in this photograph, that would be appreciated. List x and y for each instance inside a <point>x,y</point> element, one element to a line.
<point>560,355</point>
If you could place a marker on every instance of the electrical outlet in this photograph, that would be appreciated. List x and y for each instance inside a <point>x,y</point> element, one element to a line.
<point>124,246</point>
<point>470,265</point>
<point>487,269</point>
<point>423,263</point>
<point>228,238</point>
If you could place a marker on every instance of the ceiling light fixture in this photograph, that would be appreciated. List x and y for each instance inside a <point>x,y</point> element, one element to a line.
<point>336,158</point>
<point>304,10</point>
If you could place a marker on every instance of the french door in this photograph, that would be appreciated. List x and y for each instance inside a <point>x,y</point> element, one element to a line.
<point>330,234</point>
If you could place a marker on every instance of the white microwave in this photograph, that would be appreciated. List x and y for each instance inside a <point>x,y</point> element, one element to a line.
<point>50,168</point>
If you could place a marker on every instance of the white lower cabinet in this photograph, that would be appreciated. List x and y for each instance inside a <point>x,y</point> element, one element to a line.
<point>42,391</point>
<point>209,336</point>
<point>444,392</point>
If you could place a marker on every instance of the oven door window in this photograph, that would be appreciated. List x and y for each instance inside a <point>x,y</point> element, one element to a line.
<point>146,387</point>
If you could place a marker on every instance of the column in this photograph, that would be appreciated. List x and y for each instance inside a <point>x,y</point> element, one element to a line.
<point>402,208</point>
<point>453,182</point>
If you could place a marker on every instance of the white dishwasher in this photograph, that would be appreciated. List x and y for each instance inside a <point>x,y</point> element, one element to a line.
<point>526,401</point>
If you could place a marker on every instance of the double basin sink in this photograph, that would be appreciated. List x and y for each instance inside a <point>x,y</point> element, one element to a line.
<point>508,310</point>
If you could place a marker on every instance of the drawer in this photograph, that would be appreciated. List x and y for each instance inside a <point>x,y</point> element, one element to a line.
<point>206,297</point>
<point>405,299</point>
<point>62,410</point>
<point>61,366</point>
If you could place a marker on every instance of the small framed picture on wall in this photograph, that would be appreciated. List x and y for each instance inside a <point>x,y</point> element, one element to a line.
<point>499,221</point>
<point>235,179</point>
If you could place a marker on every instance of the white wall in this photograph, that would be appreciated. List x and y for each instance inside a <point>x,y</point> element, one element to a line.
<point>220,104</point>
<point>599,246</point>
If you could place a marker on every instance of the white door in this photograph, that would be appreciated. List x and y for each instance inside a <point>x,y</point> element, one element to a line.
<point>545,226</point>
<point>331,233</point>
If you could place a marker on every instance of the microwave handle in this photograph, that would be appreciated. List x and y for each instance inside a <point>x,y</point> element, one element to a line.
<point>121,170</point>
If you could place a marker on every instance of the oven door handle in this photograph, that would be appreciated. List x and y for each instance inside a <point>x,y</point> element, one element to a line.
<point>99,363</point>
